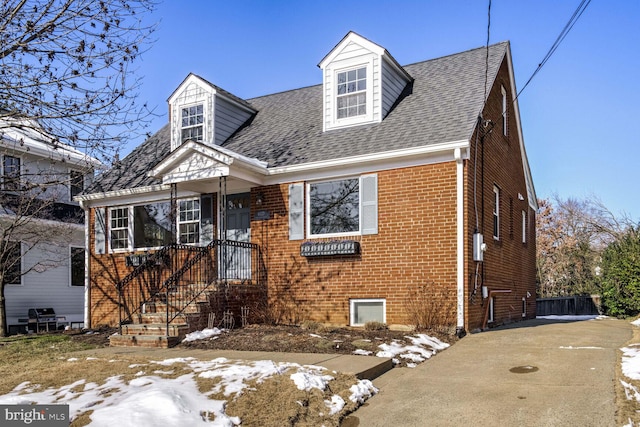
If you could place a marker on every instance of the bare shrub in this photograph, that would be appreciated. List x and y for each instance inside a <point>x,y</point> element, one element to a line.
<point>428,311</point>
<point>375,326</point>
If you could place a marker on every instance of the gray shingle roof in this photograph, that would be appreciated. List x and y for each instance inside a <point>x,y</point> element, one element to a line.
<point>442,106</point>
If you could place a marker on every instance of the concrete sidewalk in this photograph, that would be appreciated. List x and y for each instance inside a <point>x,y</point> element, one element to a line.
<point>364,367</point>
<point>533,373</point>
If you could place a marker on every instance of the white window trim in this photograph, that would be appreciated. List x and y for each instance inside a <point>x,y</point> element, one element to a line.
<point>345,66</point>
<point>353,302</point>
<point>2,171</point>
<point>204,118</point>
<point>129,229</point>
<point>496,213</point>
<point>130,210</point>
<point>71,248</point>
<point>524,227</point>
<point>199,221</point>
<point>308,209</point>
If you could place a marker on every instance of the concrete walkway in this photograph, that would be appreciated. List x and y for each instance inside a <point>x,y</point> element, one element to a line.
<point>534,373</point>
<point>364,367</point>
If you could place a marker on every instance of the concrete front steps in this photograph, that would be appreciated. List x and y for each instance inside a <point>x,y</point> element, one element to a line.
<point>149,329</point>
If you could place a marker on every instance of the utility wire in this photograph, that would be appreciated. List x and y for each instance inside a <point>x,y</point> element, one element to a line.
<point>574,18</point>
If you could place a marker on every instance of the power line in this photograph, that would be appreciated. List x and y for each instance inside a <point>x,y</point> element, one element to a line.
<point>572,21</point>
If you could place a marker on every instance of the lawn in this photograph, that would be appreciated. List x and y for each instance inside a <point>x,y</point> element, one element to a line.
<point>135,390</point>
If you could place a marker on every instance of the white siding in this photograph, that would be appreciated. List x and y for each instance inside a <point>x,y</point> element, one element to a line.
<point>49,288</point>
<point>228,119</point>
<point>192,94</point>
<point>385,81</point>
<point>393,84</point>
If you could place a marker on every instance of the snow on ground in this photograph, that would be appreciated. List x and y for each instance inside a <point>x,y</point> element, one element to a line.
<point>151,400</point>
<point>571,317</point>
<point>422,348</point>
<point>631,369</point>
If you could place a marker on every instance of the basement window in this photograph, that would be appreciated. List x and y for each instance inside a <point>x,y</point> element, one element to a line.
<point>367,310</point>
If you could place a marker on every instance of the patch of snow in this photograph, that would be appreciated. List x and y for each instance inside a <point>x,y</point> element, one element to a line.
<point>310,379</point>
<point>630,391</point>
<point>363,352</point>
<point>151,400</point>
<point>636,322</point>
<point>72,359</point>
<point>631,362</point>
<point>361,391</point>
<point>571,317</point>
<point>315,335</point>
<point>202,335</point>
<point>580,348</point>
<point>335,405</point>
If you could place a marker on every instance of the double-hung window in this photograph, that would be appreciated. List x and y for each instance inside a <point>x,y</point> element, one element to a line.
<point>192,122</point>
<point>352,93</point>
<point>189,221</point>
<point>334,207</point>
<point>496,213</point>
<point>119,218</point>
<point>11,173</point>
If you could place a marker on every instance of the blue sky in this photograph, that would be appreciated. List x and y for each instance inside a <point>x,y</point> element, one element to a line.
<point>579,113</point>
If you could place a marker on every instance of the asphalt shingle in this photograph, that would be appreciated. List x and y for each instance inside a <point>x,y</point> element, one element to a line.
<point>442,106</point>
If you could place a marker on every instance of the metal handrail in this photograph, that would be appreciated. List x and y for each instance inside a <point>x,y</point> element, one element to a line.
<point>180,274</point>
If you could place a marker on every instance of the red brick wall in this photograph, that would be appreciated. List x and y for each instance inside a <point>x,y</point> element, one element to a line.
<point>413,251</point>
<point>411,262</point>
<point>508,263</point>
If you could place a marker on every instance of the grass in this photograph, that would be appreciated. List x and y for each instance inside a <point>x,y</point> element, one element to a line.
<point>53,361</point>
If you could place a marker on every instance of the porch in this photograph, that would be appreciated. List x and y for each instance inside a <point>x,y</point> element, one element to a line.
<point>182,288</point>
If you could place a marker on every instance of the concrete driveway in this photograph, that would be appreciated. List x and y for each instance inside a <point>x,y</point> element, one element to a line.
<point>534,373</point>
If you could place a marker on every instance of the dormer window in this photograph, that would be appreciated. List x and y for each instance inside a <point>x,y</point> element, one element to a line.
<point>352,93</point>
<point>361,83</point>
<point>192,122</point>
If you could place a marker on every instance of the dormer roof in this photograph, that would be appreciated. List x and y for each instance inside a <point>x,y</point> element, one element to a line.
<point>205,112</point>
<point>361,83</point>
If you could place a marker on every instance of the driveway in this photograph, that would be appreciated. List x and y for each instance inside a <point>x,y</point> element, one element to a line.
<point>533,373</point>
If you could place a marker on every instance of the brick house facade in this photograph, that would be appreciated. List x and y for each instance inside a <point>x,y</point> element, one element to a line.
<point>362,195</point>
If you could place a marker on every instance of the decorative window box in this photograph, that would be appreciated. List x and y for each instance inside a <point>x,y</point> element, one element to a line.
<point>343,247</point>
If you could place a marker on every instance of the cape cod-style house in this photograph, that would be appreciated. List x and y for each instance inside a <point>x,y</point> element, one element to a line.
<point>388,193</point>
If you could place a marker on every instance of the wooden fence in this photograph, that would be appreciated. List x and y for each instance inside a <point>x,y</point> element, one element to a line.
<point>562,306</point>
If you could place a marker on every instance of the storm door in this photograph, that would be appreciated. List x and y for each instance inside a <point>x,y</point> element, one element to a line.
<point>238,257</point>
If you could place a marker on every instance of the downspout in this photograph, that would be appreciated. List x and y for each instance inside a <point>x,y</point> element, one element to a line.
<point>87,269</point>
<point>457,154</point>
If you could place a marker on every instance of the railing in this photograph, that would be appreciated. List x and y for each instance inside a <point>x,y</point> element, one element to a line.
<point>178,275</point>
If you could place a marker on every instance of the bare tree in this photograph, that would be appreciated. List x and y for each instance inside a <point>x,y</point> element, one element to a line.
<point>68,96</point>
<point>68,66</point>
<point>571,235</point>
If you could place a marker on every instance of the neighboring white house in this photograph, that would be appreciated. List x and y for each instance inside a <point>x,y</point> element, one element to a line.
<point>38,180</point>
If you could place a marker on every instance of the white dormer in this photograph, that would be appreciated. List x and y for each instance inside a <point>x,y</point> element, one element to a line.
<point>200,111</point>
<point>361,82</point>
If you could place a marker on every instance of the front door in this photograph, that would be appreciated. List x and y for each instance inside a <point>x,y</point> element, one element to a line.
<point>238,257</point>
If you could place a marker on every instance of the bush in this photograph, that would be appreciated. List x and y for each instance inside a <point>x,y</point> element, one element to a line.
<point>375,326</point>
<point>621,275</point>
